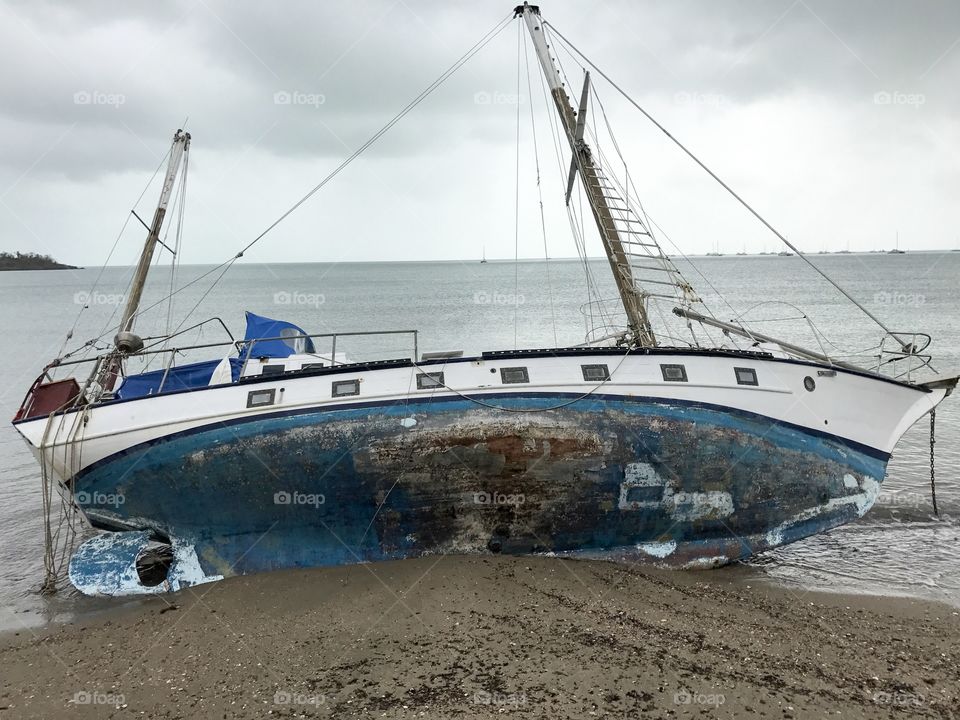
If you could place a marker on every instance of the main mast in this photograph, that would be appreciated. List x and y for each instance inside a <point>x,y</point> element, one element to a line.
<point>634,301</point>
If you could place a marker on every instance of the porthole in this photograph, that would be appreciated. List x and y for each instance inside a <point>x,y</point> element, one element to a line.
<point>674,373</point>
<point>595,373</point>
<point>261,398</point>
<point>514,375</point>
<point>429,381</point>
<point>343,388</point>
<point>746,376</point>
<point>809,384</point>
<point>312,366</point>
<point>273,369</point>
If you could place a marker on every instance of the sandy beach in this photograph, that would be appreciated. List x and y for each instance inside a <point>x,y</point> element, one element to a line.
<point>475,637</point>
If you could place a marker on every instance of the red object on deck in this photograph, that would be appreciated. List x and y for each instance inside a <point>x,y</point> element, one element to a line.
<point>46,398</point>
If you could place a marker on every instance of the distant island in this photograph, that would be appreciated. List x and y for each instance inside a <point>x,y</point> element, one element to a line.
<point>30,261</point>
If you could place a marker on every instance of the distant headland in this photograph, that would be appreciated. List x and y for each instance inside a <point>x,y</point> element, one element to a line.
<point>31,261</point>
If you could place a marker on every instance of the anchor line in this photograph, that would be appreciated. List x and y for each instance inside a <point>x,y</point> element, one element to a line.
<point>933,483</point>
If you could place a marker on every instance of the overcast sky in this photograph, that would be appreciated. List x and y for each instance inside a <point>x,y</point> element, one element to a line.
<point>840,121</point>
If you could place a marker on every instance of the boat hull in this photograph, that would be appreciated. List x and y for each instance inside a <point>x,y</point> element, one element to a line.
<point>678,483</point>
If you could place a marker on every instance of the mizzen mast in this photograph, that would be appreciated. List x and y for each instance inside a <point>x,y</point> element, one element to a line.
<point>181,145</point>
<point>594,183</point>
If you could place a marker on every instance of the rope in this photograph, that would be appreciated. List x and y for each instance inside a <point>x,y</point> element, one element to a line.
<point>933,483</point>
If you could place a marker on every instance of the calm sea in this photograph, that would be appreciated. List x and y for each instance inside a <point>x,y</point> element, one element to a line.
<point>898,548</point>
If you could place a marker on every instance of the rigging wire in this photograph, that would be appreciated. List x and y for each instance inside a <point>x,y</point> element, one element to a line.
<point>226,264</point>
<point>906,346</point>
<point>543,221</point>
<point>113,249</point>
<point>516,205</point>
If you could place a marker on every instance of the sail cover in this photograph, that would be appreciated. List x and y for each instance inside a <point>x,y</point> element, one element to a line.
<point>293,339</point>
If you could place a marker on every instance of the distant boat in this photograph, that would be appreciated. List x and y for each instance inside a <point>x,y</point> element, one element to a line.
<point>896,248</point>
<point>484,258</point>
<point>716,251</point>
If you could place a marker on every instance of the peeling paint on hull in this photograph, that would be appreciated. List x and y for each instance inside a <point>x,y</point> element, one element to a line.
<point>677,484</point>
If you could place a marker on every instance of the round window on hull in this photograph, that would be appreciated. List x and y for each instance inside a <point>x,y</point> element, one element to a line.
<point>809,383</point>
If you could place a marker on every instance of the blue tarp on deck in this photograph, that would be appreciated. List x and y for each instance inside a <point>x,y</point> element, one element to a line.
<point>294,338</point>
<point>184,377</point>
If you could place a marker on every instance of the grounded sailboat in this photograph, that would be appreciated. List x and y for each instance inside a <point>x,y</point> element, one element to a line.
<point>654,440</point>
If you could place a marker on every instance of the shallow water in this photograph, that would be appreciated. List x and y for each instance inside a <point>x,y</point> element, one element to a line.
<point>899,548</point>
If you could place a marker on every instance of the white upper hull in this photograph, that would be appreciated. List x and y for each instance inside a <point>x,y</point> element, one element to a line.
<point>857,408</point>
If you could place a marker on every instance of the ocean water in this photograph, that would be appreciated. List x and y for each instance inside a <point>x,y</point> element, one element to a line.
<point>898,548</point>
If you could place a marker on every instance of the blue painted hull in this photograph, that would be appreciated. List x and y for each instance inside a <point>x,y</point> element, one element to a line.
<point>675,483</point>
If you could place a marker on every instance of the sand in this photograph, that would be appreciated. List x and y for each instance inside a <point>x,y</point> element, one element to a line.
<point>461,637</point>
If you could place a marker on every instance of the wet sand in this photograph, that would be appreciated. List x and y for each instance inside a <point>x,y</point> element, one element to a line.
<point>477,637</point>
